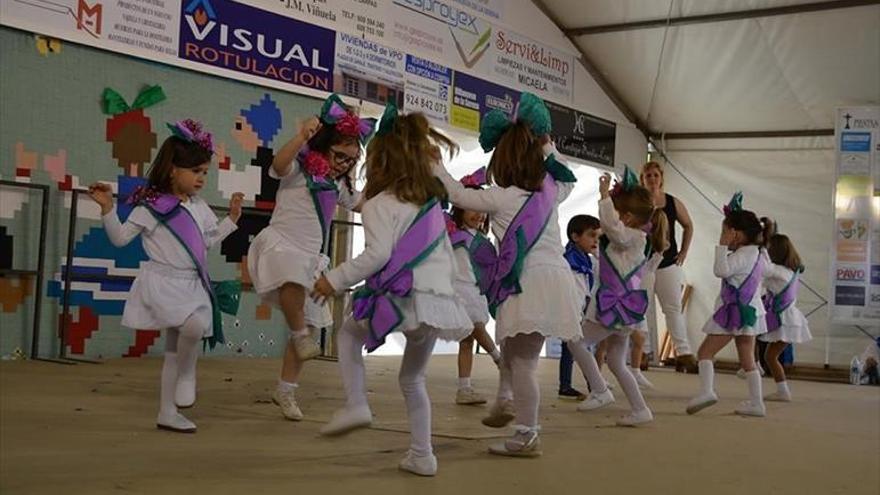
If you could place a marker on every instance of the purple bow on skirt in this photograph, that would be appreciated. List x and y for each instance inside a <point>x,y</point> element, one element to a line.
<point>619,300</point>
<point>373,302</point>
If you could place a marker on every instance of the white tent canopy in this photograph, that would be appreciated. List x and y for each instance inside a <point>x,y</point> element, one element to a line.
<point>714,78</point>
<point>780,72</point>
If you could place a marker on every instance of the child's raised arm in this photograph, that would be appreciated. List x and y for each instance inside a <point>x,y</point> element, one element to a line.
<point>617,232</point>
<point>564,188</point>
<point>217,230</point>
<point>119,234</point>
<point>283,161</point>
<point>729,264</point>
<point>481,200</point>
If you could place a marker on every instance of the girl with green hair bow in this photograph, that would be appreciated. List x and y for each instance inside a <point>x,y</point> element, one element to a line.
<point>527,281</point>
<point>740,262</point>
<point>315,171</point>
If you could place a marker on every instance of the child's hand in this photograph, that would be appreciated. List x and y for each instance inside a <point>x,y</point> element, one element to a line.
<point>322,290</point>
<point>309,127</point>
<point>103,195</point>
<point>235,206</point>
<point>728,236</point>
<point>604,185</point>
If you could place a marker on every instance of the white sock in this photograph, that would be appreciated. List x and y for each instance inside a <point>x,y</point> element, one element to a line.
<point>616,358</point>
<point>707,376</point>
<point>588,365</point>
<point>496,355</point>
<point>303,332</point>
<point>419,345</point>
<point>754,380</point>
<point>168,385</point>
<point>636,371</point>
<point>782,388</point>
<point>525,351</point>
<point>349,343</point>
<point>286,387</point>
<point>464,382</point>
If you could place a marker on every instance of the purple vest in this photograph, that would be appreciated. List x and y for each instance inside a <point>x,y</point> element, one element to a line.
<point>776,304</point>
<point>372,302</point>
<point>736,310</point>
<point>168,210</point>
<point>620,300</point>
<point>498,273</point>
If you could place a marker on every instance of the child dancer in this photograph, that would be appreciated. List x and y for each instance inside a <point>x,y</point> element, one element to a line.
<point>786,324</point>
<point>467,231</point>
<point>172,290</point>
<point>315,169</point>
<point>625,254</point>
<point>409,268</point>
<point>583,241</point>
<point>739,313</point>
<point>529,285</point>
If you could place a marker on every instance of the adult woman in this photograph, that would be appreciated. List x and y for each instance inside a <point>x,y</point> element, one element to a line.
<point>669,278</point>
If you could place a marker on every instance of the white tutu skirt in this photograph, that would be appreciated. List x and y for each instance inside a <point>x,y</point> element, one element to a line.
<point>443,315</point>
<point>712,328</point>
<point>474,303</point>
<point>549,304</point>
<point>163,296</point>
<point>274,261</point>
<point>591,318</point>
<point>794,329</point>
<point>594,332</point>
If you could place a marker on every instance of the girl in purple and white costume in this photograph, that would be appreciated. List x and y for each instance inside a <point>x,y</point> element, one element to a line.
<point>315,171</point>
<point>169,292</point>
<point>739,314</point>
<point>786,325</point>
<point>409,269</point>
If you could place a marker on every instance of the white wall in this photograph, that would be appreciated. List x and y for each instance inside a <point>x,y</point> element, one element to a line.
<point>789,180</point>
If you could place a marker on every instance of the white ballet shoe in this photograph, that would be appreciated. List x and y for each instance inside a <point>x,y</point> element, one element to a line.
<point>287,401</point>
<point>596,401</point>
<point>348,419</point>
<point>749,408</point>
<point>778,397</point>
<point>175,422</point>
<point>701,402</point>
<point>523,443</point>
<point>421,465</point>
<point>642,417</point>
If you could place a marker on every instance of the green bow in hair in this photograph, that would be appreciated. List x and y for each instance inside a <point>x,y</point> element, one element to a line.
<point>389,117</point>
<point>735,204</point>
<point>328,117</point>
<point>629,182</point>
<point>114,103</point>
<point>530,110</point>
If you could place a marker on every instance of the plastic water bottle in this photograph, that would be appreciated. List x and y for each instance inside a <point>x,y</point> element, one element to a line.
<point>855,371</point>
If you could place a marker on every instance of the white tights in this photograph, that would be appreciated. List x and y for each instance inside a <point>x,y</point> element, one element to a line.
<point>519,377</point>
<point>419,345</point>
<point>181,353</point>
<point>616,359</point>
<point>588,365</point>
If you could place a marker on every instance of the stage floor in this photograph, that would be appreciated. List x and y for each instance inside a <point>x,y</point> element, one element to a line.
<point>90,429</point>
